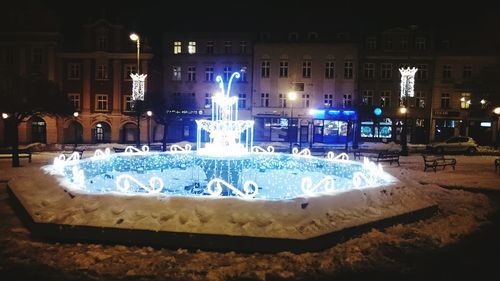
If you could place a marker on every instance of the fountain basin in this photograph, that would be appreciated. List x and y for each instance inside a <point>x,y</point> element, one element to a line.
<point>294,222</point>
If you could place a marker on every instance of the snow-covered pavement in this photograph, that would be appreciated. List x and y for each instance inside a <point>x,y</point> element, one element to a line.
<point>461,213</point>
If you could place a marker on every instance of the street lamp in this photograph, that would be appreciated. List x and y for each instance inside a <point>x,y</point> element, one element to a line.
<point>75,115</point>
<point>135,37</point>
<point>149,113</point>
<point>497,136</point>
<point>137,89</point>
<point>407,91</point>
<point>292,96</point>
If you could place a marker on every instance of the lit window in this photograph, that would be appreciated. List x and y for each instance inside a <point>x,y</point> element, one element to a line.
<point>465,101</point>
<point>101,102</point>
<point>192,47</point>
<point>177,47</point>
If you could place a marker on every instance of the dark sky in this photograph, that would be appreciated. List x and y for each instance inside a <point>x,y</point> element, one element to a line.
<point>252,14</point>
<point>155,16</point>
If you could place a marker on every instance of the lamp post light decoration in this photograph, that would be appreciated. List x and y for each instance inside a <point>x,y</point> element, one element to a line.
<point>75,115</point>
<point>407,91</point>
<point>149,113</point>
<point>138,81</point>
<point>292,96</point>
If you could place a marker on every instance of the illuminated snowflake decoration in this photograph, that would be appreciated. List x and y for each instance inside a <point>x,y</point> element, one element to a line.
<point>407,81</point>
<point>224,128</point>
<point>138,81</point>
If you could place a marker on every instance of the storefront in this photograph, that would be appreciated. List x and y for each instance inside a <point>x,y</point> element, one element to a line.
<point>446,124</point>
<point>275,129</point>
<point>377,129</point>
<point>181,125</point>
<point>334,126</point>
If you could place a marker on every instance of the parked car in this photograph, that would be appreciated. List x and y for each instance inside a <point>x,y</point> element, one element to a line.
<point>454,144</point>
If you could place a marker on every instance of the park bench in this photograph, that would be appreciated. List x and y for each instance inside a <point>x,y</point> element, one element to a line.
<point>386,156</point>
<point>23,153</point>
<point>118,149</point>
<point>432,161</point>
<point>69,153</point>
<point>497,164</point>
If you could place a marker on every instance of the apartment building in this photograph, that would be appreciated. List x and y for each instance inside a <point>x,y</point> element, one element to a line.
<point>320,69</point>
<point>192,61</point>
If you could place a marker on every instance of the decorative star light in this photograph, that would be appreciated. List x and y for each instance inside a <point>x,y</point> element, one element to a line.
<point>407,81</point>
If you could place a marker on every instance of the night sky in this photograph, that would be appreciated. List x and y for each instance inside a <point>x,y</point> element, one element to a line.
<point>152,17</point>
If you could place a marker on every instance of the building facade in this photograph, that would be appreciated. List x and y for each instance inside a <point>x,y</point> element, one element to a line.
<point>192,61</point>
<point>321,71</point>
<point>382,55</point>
<point>93,71</point>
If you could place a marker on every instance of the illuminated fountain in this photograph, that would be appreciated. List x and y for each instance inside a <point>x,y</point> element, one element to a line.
<point>227,186</point>
<point>227,165</point>
<point>225,129</point>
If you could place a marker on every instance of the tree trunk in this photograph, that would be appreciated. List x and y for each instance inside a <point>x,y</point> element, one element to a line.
<point>164,140</point>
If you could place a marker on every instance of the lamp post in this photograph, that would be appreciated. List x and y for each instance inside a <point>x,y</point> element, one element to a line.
<point>497,135</point>
<point>407,91</point>
<point>137,89</point>
<point>75,115</point>
<point>404,145</point>
<point>292,96</point>
<point>149,113</point>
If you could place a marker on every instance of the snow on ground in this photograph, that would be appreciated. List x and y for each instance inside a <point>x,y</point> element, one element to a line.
<point>460,214</point>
